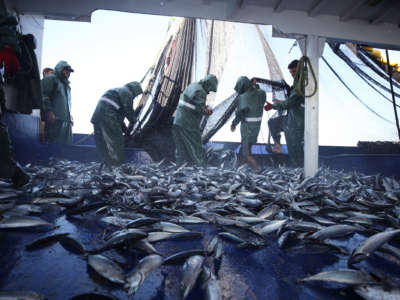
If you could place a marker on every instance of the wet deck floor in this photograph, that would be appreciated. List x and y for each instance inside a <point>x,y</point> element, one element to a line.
<point>266,273</point>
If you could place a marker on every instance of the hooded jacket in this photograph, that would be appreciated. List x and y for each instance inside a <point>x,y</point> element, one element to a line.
<point>251,101</point>
<point>192,103</point>
<point>249,110</point>
<point>123,97</point>
<point>8,32</point>
<point>56,93</point>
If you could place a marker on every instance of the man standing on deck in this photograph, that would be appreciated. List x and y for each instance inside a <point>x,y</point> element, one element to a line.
<point>294,127</point>
<point>108,122</point>
<point>186,128</point>
<point>56,94</point>
<point>9,168</point>
<point>47,71</point>
<point>249,114</point>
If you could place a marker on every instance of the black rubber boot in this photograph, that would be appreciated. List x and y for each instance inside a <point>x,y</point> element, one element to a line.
<point>20,178</point>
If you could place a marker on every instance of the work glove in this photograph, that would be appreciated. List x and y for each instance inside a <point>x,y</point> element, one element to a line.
<point>233,127</point>
<point>9,58</point>
<point>268,106</point>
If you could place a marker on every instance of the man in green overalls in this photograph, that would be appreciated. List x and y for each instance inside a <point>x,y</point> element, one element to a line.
<point>249,114</point>
<point>186,126</point>
<point>294,127</point>
<point>56,94</point>
<point>108,122</point>
<point>9,168</point>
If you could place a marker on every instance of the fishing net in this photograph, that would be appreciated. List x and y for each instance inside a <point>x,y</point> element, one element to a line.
<point>176,64</point>
<point>221,114</point>
<point>152,130</point>
<point>368,70</point>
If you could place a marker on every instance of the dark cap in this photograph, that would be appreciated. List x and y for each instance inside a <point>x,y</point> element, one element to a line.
<point>69,69</point>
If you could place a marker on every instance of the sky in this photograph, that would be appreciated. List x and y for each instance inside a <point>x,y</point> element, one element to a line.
<point>116,48</point>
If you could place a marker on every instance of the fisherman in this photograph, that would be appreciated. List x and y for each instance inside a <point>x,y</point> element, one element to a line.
<point>56,94</point>
<point>294,125</point>
<point>9,168</point>
<point>108,122</point>
<point>186,127</point>
<point>47,71</point>
<point>249,114</point>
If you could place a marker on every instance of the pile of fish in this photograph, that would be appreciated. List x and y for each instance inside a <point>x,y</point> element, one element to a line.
<point>141,206</point>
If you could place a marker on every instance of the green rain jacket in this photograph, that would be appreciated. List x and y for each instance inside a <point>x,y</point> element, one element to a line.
<point>192,102</point>
<point>186,126</point>
<point>56,94</point>
<point>8,32</point>
<point>8,36</point>
<point>294,127</point>
<point>123,97</point>
<point>108,120</point>
<point>249,111</point>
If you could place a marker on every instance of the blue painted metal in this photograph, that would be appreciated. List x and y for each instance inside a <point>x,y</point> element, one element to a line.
<point>24,134</point>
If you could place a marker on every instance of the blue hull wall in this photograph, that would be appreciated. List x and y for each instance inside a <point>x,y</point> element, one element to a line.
<point>24,134</point>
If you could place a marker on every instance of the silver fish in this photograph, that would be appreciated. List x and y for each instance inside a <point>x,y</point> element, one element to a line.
<point>373,292</point>
<point>124,236</point>
<point>23,222</point>
<point>191,270</point>
<point>370,245</point>
<point>144,245</point>
<point>169,227</point>
<point>334,231</point>
<point>107,268</point>
<point>344,276</point>
<point>141,271</point>
<point>210,285</point>
<point>270,227</point>
<point>20,295</point>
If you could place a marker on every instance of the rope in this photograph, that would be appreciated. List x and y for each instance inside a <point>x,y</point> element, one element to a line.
<point>393,97</point>
<point>84,138</point>
<point>210,47</point>
<point>150,70</point>
<point>301,78</point>
<point>355,96</point>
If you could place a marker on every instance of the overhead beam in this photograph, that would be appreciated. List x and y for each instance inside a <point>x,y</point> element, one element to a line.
<point>315,8</point>
<point>233,7</point>
<point>350,10</point>
<point>388,8</point>
<point>279,6</point>
<point>384,35</point>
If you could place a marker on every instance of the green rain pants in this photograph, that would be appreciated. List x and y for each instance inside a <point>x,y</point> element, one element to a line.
<point>110,144</point>
<point>59,132</point>
<point>295,144</point>
<point>189,147</point>
<point>249,133</point>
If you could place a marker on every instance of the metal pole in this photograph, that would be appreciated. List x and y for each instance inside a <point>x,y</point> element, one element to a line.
<point>393,97</point>
<point>311,111</point>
